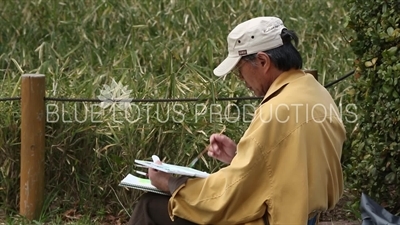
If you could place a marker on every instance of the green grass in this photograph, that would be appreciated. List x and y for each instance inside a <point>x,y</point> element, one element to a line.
<point>158,49</point>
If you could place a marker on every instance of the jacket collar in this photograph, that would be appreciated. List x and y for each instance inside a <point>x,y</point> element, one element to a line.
<point>280,82</point>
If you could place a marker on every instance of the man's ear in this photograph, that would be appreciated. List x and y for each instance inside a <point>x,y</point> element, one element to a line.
<point>264,59</point>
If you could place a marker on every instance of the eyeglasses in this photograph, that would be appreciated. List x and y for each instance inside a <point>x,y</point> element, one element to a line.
<point>237,71</point>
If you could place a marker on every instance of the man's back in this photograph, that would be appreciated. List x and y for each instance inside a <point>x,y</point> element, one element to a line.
<point>303,135</point>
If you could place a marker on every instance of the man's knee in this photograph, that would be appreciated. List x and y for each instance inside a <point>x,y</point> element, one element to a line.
<point>149,209</point>
<point>149,198</point>
<point>145,198</point>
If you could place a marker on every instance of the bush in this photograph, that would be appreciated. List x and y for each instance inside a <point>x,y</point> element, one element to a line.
<point>373,166</point>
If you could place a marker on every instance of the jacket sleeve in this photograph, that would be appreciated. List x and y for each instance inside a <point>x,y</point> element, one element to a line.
<point>231,195</point>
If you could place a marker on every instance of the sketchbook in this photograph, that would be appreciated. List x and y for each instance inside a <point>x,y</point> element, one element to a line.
<point>144,184</point>
<point>173,169</point>
<point>131,181</point>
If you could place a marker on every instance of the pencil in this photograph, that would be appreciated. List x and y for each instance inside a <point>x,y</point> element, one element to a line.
<point>191,164</point>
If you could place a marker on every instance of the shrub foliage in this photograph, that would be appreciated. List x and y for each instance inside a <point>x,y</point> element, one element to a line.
<point>374,162</point>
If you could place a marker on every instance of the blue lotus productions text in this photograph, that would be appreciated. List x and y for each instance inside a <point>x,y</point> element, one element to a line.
<point>187,112</point>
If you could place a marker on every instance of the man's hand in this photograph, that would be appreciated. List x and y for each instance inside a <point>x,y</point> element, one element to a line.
<point>159,179</point>
<point>222,148</point>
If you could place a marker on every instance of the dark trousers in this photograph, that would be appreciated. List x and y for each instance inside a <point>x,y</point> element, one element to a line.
<point>152,209</point>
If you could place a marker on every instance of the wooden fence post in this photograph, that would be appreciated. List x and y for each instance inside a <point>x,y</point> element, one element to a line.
<point>33,118</point>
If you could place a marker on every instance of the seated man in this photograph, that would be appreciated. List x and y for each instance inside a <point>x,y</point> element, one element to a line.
<point>286,168</point>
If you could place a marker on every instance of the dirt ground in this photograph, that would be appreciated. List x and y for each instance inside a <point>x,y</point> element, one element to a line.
<point>339,215</point>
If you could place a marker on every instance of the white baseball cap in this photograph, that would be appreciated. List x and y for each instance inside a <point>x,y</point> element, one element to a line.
<point>252,36</point>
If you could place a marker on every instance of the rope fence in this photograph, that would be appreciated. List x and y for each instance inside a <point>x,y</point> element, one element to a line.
<point>61,99</point>
<point>10,99</point>
<point>151,100</point>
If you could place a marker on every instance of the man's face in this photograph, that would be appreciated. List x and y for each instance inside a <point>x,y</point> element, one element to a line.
<point>255,74</point>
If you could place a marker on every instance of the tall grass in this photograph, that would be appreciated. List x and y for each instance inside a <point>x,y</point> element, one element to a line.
<point>157,49</point>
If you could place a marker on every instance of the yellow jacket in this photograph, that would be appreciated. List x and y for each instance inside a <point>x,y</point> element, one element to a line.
<point>287,166</point>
